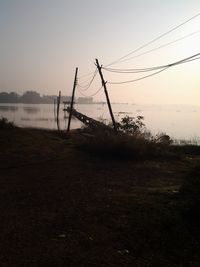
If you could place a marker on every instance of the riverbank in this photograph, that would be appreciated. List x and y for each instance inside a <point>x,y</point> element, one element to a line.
<point>63,206</point>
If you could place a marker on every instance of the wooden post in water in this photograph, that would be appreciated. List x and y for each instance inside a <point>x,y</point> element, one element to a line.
<point>58,109</point>
<point>72,100</point>
<point>54,108</point>
<point>107,97</point>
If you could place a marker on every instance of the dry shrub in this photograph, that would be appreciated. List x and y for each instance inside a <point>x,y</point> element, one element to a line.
<point>132,140</point>
<point>5,124</point>
<point>121,145</point>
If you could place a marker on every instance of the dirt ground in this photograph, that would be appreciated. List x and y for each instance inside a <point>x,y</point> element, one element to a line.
<point>61,206</point>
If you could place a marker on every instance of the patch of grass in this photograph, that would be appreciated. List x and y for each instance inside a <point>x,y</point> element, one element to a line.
<point>25,144</point>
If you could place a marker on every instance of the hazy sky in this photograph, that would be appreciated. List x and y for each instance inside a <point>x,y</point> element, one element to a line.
<point>43,41</point>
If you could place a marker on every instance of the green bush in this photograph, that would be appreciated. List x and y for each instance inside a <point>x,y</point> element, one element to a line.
<point>136,127</point>
<point>131,125</point>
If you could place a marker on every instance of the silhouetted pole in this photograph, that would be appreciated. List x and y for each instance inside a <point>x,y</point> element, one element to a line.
<point>107,97</point>
<point>72,100</point>
<point>54,105</point>
<point>58,110</point>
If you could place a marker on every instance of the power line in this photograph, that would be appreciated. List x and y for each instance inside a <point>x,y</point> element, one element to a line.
<point>152,41</point>
<point>91,95</point>
<point>143,46</point>
<point>138,79</point>
<point>85,75</point>
<point>88,79</point>
<point>161,46</point>
<point>138,70</point>
<point>87,86</point>
<point>162,68</point>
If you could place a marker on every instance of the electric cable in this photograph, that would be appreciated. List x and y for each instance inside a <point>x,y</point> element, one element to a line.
<point>161,46</point>
<point>138,70</point>
<point>157,72</point>
<point>141,78</point>
<point>145,45</point>
<point>88,79</point>
<point>154,40</point>
<point>91,95</point>
<point>86,75</point>
<point>87,86</point>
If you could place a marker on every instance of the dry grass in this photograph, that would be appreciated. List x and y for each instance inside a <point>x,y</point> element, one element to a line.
<point>122,145</point>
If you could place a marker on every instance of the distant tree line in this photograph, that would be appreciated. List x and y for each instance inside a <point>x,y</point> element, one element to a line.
<point>29,97</point>
<point>32,97</point>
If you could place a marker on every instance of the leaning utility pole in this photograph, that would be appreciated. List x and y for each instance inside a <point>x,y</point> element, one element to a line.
<point>72,100</point>
<point>107,97</point>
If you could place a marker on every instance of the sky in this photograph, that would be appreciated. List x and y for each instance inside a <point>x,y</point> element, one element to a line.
<point>43,41</point>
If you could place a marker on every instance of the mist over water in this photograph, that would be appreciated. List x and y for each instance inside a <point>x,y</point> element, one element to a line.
<point>178,121</point>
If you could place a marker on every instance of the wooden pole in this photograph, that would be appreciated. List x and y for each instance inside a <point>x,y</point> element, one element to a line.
<point>72,100</point>
<point>107,97</point>
<point>54,105</point>
<point>58,109</point>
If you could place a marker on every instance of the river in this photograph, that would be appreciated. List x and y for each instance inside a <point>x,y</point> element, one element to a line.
<point>178,121</point>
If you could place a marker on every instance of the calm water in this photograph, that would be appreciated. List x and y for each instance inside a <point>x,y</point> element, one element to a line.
<point>178,121</point>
